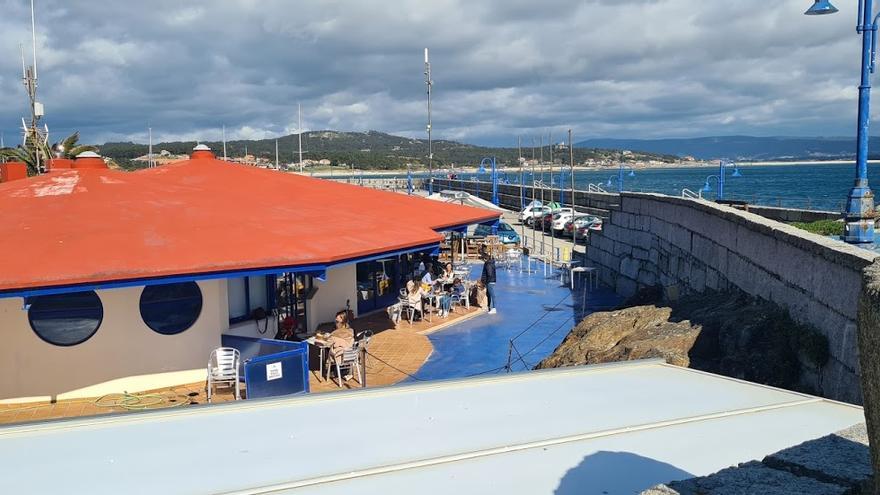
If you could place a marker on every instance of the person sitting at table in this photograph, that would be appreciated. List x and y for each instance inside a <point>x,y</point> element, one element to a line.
<point>428,277</point>
<point>286,329</point>
<point>340,339</point>
<point>414,294</point>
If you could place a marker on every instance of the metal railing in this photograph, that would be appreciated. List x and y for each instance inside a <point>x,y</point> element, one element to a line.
<point>687,193</point>
<point>596,188</point>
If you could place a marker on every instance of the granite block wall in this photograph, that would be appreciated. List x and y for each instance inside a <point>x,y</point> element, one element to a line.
<point>696,245</point>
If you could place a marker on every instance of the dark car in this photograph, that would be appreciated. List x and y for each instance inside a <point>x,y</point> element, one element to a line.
<point>505,232</point>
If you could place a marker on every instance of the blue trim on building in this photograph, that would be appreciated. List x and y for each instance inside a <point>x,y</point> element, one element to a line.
<point>316,270</point>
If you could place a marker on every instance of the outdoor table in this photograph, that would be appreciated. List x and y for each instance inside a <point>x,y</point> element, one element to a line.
<point>322,346</point>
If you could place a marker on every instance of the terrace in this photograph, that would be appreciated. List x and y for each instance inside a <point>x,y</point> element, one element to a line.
<point>535,312</point>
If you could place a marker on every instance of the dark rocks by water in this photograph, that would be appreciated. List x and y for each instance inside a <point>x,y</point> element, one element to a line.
<point>834,464</point>
<point>728,334</point>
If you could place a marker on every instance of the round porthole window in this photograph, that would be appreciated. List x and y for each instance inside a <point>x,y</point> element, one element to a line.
<point>65,319</point>
<point>170,309</point>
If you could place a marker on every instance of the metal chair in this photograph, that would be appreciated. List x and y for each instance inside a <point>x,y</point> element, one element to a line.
<point>223,367</point>
<point>350,360</point>
<point>408,307</point>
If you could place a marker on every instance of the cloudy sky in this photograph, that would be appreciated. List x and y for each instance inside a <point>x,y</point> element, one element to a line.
<point>501,68</point>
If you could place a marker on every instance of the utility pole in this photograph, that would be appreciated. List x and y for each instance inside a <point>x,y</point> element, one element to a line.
<point>429,83</point>
<point>541,166</point>
<point>276,154</point>
<point>299,126</point>
<point>571,166</point>
<point>150,148</point>
<point>224,143</point>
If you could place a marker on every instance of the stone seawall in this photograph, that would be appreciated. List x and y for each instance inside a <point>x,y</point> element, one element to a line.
<point>696,245</point>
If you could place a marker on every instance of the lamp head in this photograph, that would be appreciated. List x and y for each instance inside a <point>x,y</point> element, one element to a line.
<point>608,183</point>
<point>632,173</point>
<point>736,173</point>
<point>821,7</point>
<point>707,187</point>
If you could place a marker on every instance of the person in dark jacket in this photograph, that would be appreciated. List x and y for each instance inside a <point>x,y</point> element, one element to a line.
<point>488,278</point>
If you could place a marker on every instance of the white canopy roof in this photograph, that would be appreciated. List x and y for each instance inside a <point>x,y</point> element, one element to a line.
<point>612,429</point>
<point>464,198</point>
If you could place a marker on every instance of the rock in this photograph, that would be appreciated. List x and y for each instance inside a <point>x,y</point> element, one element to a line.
<point>754,477</point>
<point>723,333</point>
<point>842,458</point>
<point>632,333</point>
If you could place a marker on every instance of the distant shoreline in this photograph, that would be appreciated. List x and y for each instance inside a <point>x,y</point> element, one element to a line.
<point>471,170</point>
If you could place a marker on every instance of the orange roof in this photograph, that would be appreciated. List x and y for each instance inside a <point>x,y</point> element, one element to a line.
<point>200,217</point>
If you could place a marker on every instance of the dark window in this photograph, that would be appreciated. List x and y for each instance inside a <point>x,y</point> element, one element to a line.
<point>65,319</point>
<point>171,308</point>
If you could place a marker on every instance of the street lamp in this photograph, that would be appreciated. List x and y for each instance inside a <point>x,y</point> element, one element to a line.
<point>720,178</point>
<point>860,202</point>
<point>620,171</point>
<point>491,161</point>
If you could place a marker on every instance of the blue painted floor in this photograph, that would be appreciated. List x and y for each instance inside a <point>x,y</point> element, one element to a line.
<point>535,311</point>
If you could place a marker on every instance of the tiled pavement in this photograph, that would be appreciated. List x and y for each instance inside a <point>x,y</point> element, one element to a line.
<point>393,354</point>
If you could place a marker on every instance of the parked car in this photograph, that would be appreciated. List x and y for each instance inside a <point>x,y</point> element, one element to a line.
<point>529,211</point>
<point>583,231</point>
<point>579,220</point>
<point>505,232</point>
<point>560,219</point>
<point>548,220</point>
<point>537,215</point>
<point>534,214</point>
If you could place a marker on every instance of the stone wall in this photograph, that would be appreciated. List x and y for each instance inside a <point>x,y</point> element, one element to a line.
<point>696,245</point>
<point>792,214</point>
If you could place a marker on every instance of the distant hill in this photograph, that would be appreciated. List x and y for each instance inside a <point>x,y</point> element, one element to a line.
<point>741,147</point>
<point>365,150</point>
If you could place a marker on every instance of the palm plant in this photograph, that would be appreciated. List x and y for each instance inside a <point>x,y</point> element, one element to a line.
<point>70,147</point>
<point>27,154</point>
<point>66,148</point>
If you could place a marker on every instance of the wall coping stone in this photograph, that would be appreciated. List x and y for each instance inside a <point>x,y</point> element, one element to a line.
<point>834,251</point>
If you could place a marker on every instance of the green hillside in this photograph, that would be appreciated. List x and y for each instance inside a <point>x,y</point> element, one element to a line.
<point>363,150</point>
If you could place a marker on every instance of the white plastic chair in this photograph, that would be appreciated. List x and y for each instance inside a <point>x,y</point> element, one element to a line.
<point>223,369</point>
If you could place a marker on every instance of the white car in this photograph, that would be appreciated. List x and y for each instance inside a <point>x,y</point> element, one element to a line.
<point>529,211</point>
<point>561,216</point>
<point>535,213</point>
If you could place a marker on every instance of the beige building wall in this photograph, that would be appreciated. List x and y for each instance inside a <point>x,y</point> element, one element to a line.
<point>123,355</point>
<point>341,285</point>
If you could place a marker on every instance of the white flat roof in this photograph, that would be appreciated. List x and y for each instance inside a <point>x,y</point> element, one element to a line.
<point>609,429</point>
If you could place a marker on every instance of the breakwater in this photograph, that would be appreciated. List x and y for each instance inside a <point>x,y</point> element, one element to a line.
<point>697,246</point>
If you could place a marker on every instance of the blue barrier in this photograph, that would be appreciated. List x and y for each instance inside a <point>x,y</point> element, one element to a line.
<point>271,367</point>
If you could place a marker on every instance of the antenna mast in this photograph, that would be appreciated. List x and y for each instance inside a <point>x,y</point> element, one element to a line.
<point>224,143</point>
<point>429,83</point>
<point>276,154</point>
<point>29,79</point>
<point>150,163</point>
<point>299,127</point>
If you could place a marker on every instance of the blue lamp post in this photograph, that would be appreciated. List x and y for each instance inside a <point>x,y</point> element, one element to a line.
<point>722,165</point>
<point>409,183</point>
<point>860,202</point>
<point>491,161</point>
<point>620,171</point>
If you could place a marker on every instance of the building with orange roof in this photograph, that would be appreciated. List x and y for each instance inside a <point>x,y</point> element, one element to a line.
<point>116,280</point>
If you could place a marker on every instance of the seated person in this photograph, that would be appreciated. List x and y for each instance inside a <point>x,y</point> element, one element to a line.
<point>414,293</point>
<point>286,329</point>
<point>479,296</point>
<point>428,279</point>
<point>340,339</point>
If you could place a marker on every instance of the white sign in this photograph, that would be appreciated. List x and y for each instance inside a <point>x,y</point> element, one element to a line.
<point>273,371</point>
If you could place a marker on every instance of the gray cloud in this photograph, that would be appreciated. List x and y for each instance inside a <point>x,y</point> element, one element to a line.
<point>502,68</point>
